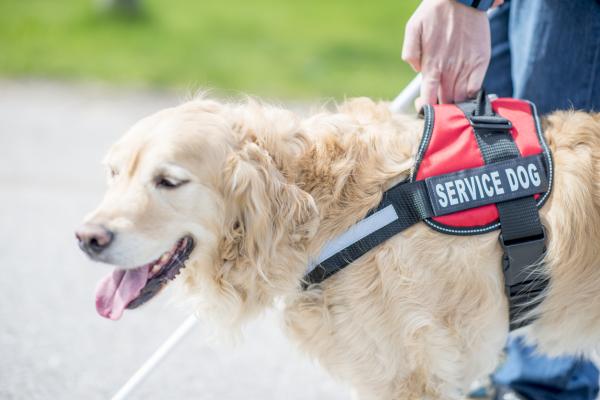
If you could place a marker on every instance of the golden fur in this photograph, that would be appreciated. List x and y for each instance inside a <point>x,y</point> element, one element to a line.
<point>419,317</point>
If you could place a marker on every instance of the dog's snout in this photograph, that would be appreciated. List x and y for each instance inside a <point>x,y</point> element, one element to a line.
<point>93,239</point>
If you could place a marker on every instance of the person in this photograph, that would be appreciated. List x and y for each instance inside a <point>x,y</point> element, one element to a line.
<point>545,51</point>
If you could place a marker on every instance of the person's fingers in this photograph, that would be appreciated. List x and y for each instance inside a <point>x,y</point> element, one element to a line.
<point>476,79</point>
<point>460,91</point>
<point>411,48</point>
<point>429,88</point>
<point>446,89</point>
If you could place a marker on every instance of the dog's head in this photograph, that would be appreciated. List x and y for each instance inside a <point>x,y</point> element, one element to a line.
<point>194,190</point>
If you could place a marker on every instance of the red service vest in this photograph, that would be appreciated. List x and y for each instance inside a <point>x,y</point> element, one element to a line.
<point>449,145</point>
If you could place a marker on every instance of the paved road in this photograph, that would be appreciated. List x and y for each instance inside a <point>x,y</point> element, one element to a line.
<point>52,343</point>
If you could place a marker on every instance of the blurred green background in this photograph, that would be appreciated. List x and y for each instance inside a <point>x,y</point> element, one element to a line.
<point>284,49</point>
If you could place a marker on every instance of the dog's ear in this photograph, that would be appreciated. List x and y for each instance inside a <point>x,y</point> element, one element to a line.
<point>264,211</point>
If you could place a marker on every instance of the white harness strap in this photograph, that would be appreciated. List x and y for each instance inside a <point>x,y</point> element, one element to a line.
<point>358,231</point>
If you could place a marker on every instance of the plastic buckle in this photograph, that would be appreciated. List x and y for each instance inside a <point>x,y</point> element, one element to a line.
<point>519,255</point>
<point>490,123</point>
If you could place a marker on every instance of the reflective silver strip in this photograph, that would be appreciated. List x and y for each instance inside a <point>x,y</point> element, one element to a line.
<point>356,232</point>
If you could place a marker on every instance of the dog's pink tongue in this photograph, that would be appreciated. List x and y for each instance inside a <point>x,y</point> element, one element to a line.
<point>117,290</point>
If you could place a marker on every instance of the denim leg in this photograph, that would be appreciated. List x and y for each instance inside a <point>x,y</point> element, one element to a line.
<point>538,377</point>
<point>498,79</point>
<point>555,53</point>
<point>547,51</point>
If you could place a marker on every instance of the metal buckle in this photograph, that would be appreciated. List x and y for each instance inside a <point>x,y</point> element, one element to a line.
<point>518,255</point>
<point>490,123</point>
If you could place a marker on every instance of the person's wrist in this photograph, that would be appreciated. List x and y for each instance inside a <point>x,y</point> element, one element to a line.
<point>482,5</point>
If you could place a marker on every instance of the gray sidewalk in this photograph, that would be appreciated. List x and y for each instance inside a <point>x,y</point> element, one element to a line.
<point>53,345</point>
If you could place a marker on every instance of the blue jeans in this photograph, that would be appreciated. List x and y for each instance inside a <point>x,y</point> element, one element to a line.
<point>547,51</point>
<point>537,377</point>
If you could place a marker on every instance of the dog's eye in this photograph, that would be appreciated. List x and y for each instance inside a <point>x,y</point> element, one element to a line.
<point>168,183</point>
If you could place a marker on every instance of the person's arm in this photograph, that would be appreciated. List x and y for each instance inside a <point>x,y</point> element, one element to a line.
<point>449,43</point>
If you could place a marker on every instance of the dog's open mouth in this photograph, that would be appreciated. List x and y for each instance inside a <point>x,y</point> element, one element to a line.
<point>133,287</point>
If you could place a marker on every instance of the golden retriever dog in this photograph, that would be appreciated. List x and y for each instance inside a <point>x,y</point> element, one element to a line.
<point>234,200</point>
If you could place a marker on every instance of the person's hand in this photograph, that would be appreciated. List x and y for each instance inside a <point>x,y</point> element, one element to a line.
<point>449,43</point>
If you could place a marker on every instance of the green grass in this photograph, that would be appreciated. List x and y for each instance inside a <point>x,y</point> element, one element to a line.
<point>289,49</point>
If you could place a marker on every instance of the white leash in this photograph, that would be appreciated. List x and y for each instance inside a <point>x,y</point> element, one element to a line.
<point>156,358</point>
<point>402,103</point>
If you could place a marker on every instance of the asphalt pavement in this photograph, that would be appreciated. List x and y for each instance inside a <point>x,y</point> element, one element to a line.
<point>53,345</point>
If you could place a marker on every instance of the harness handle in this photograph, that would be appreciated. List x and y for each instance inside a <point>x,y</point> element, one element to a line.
<point>484,106</point>
<point>483,117</point>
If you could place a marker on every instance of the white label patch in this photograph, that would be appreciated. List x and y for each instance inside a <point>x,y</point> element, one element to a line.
<point>356,232</point>
<point>492,183</point>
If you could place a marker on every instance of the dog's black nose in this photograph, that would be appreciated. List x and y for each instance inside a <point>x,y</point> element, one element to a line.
<point>93,239</point>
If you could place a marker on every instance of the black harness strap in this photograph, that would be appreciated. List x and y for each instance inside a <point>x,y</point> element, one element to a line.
<point>522,233</point>
<point>411,205</point>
